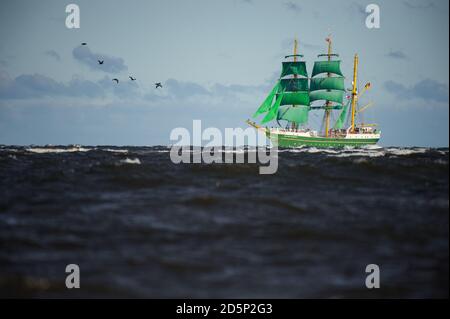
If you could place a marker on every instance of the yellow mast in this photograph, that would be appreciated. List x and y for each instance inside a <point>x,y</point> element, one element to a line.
<point>328,103</point>
<point>295,52</point>
<point>354,91</point>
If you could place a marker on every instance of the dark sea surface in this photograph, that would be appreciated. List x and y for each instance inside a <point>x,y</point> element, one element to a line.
<point>140,226</point>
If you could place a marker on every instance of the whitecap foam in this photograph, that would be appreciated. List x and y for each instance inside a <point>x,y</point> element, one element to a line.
<point>41,150</point>
<point>131,161</point>
<point>404,151</point>
<point>372,147</point>
<point>234,151</point>
<point>313,150</point>
<point>367,154</point>
<point>115,150</point>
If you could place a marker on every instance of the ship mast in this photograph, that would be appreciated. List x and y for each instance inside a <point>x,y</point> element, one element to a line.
<point>354,92</point>
<point>295,53</point>
<point>328,103</point>
<point>293,126</point>
<point>329,88</point>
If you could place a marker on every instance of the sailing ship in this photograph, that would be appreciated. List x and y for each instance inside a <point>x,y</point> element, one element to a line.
<point>295,95</point>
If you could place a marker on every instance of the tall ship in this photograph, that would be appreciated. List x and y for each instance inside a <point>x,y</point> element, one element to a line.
<point>296,94</point>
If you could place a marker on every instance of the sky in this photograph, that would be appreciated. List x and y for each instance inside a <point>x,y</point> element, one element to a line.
<point>217,61</point>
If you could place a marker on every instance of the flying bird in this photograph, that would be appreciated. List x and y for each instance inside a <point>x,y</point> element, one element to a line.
<point>158,85</point>
<point>100,61</point>
<point>84,43</point>
<point>132,78</point>
<point>117,80</point>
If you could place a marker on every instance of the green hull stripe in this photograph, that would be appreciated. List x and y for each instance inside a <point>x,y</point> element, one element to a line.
<point>288,141</point>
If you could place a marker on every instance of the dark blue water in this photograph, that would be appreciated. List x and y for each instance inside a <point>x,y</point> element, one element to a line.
<point>140,226</point>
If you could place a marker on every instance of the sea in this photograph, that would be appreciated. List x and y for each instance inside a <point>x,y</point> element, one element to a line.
<point>138,225</point>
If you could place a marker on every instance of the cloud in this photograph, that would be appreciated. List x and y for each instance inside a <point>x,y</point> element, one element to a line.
<point>80,87</point>
<point>53,54</point>
<point>180,89</point>
<point>37,85</point>
<point>397,55</point>
<point>3,63</point>
<point>151,97</point>
<point>233,89</point>
<point>123,89</point>
<point>291,6</point>
<point>428,90</point>
<point>26,86</point>
<point>111,64</point>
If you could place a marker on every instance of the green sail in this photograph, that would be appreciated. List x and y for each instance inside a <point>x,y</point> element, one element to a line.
<point>297,68</point>
<point>335,96</point>
<point>331,83</point>
<point>294,84</point>
<point>297,114</point>
<point>295,98</point>
<point>272,114</point>
<point>341,120</point>
<point>327,67</point>
<point>265,106</point>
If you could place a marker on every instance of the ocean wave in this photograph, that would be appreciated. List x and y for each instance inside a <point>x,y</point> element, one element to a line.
<point>209,222</point>
<point>303,149</point>
<point>347,151</point>
<point>369,151</point>
<point>344,152</point>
